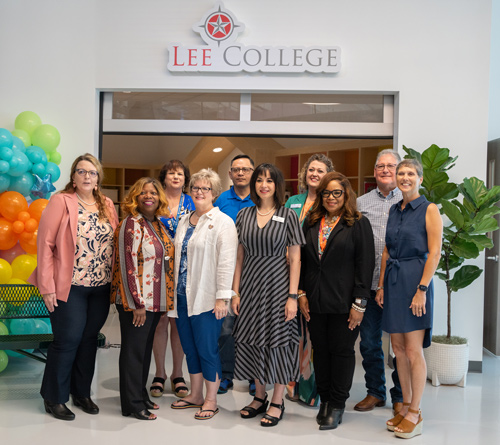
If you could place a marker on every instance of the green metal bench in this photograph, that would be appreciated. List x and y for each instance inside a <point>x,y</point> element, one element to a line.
<point>25,301</point>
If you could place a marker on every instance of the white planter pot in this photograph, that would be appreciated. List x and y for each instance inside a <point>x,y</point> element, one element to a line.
<point>447,364</point>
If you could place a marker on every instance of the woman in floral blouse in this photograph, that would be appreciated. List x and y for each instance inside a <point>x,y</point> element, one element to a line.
<point>142,289</point>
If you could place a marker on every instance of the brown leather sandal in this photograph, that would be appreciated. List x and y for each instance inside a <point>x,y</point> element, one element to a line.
<point>396,420</point>
<point>408,428</point>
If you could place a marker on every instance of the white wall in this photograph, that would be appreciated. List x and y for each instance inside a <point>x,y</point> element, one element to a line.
<point>494,117</point>
<point>55,55</point>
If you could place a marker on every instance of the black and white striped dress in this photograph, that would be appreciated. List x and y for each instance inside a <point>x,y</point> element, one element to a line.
<point>266,345</point>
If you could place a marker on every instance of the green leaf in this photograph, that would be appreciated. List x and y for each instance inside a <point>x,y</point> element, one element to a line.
<point>464,277</point>
<point>474,190</point>
<point>465,213</point>
<point>487,211</point>
<point>492,197</point>
<point>433,179</point>
<point>481,241</point>
<point>445,191</point>
<point>412,154</point>
<point>464,249</point>
<point>434,157</point>
<point>441,276</point>
<point>450,163</point>
<point>485,226</point>
<point>453,213</point>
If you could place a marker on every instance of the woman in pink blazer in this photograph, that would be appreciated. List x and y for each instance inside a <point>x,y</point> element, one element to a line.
<point>75,254</point>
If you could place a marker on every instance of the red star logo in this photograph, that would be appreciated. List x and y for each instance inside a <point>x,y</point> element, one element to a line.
<point>219,26</point>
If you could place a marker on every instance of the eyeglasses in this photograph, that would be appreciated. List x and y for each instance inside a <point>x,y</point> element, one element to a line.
<point>82,172</point>
<point>335,193</point>
<point>382,167</point>
<point>244,170</point>
<point>203,190</point>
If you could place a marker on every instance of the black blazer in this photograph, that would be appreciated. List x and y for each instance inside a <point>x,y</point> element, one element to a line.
<point>345,270</point>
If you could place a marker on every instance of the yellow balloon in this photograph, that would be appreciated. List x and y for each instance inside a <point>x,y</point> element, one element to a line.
<point>5,271</point>
<point>16,300</point>
<point>23,266</point>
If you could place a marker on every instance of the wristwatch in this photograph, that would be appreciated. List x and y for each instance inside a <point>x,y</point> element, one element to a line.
<point>423,288</point>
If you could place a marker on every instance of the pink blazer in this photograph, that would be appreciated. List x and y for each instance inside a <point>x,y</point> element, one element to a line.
<point>56,244</point>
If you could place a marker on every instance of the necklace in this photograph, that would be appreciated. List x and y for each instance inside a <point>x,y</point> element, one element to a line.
<point>265,214</point>
<point>86,203</point>
<point>329,225</point>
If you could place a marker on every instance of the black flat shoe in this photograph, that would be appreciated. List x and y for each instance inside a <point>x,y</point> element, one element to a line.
<point>273,421</point>
<point>252,412</point>
<point>141,415</point>
<point>86,404</point>
<point>332,420</point>
<point>59,410</point>
<point>150,405</point>
<point>323,411</point>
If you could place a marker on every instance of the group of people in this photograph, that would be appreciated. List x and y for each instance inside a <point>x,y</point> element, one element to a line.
<point>249,287</point>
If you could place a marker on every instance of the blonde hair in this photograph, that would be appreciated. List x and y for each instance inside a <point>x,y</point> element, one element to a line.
<point>130,204</point>
<point>320,157</point>
<point>208,175</point>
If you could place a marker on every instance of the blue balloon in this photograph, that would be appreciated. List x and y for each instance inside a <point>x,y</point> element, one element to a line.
<point>19,163</point>
<point>22,326</point>
<point>5,138</point>
<point>6,153</point>
<point>18,144</point>
<point>4,182</point>
<point>36,155</point>
<point>4,166</point>
<point>52,170</point>
<point>22,184</point>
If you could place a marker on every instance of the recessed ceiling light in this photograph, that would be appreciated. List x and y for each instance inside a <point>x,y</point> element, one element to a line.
<point>217,150</point>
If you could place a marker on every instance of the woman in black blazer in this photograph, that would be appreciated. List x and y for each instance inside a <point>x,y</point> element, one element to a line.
<point>337,267</point>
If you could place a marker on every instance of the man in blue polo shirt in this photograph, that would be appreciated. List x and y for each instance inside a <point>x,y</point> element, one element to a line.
<point>231,202</point>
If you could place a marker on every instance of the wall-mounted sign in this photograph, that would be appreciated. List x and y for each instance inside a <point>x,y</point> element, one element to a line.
<point>219,29</point>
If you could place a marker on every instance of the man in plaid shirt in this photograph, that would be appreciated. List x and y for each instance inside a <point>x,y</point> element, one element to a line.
<point>375,205</point>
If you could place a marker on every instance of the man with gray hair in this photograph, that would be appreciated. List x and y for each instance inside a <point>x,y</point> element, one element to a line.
<point>375,206</point>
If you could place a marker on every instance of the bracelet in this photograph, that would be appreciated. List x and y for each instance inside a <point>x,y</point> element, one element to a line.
<point>293,296</point>
<point>379,288</point>
<point>235,296</point>
<point>358,308</point>
<point>361,302</point>
<point>303,294</point>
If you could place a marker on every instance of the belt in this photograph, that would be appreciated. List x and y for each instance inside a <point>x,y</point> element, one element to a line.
<point>393,264</point>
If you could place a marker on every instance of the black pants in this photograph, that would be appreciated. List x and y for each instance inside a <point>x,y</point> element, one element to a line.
<point>71,356</point>
<point>135,358</point>
<point>333,356</point>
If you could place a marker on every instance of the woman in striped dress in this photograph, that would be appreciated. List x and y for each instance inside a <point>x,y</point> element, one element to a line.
<point>265,331</point>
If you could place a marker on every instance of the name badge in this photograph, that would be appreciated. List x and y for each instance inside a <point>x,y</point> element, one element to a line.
<point>278,218</point>
<point>296,206</point>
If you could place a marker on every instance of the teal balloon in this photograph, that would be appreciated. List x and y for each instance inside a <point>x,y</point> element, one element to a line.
<point>48,322</point>
<point>36,155</point>
<point>4,360</point>
<point>41,327</point>
<point>3,329</point>
<point>16,354</point>
<point>27,121</point>
<point>55,157</point>
<point>18,144</point>
<point>6,153</point>
<point>19,163</point>
<point>38,169</point>
<point>22,326</point>
<point>4,166</point>
<point>52,170</point>
<point>22,184</point>
<point>6,139</point>
<point>4,182</point>
<point>23,135</point>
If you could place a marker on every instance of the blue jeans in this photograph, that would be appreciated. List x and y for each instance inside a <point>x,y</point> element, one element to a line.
<point>373,355</point>
<point>226,347</point>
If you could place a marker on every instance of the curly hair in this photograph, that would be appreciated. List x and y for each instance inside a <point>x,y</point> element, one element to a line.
<point>349,211</point>
<point>279,184</point>
<point>303,173</point>
<point>99,196</point>
<point>208,175</point>
<point>130,204</point>
<point>175,164</point>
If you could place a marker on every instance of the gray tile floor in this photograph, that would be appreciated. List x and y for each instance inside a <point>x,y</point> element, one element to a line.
<point>452,415</point>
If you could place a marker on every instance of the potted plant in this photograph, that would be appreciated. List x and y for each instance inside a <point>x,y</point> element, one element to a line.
<point>470,208</point>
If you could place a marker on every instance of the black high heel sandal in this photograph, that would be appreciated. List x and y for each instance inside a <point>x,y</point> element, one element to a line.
<point>273,421</point>
<point>252,412</point>
<point>141,415</point>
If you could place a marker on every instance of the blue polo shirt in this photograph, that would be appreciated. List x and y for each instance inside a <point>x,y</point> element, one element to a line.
<point>230,203</point>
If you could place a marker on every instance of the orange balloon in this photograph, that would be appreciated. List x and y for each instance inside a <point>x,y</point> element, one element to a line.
<point>18,227</point>
<point>31,225</point>
<point>37,207</point>
<point>8,238</point>
<point>11,203</point>
<point>23,216</point>
<point>29,246</point>
<point>25,236</point>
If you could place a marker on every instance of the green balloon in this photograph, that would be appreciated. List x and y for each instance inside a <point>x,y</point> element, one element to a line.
<point>27,121</point>
<point>3,329</point>
<point>55,157</point>
<point>47,137</point>
<point>4,360</point>
<point>23,135</point>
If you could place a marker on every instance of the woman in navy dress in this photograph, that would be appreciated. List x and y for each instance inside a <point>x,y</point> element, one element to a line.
<point>405,291</point>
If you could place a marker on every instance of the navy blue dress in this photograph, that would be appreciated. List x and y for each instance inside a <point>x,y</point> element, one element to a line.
<point>406,241</point>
